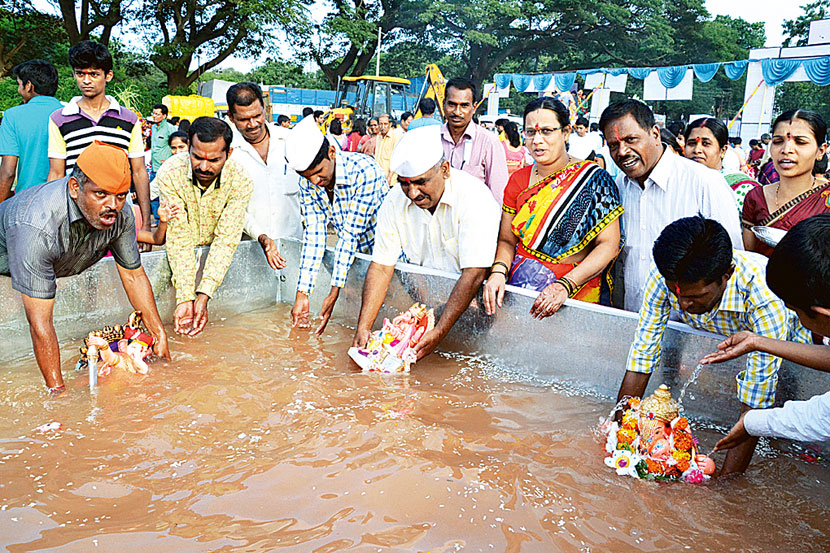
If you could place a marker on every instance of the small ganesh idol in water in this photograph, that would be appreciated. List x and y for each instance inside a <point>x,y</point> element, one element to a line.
<point>655,443</point>
<point>124,347</point>
<point>392,348</point>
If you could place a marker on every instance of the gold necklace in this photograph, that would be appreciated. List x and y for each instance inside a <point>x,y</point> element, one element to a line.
<point>778,187</point>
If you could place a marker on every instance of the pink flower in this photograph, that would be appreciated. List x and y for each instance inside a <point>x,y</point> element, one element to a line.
<point>695,476</point>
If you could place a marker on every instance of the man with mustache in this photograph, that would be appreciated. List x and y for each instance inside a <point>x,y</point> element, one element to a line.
<point>212,192</point>
<point>657,188</point>
<point>438,217</point>
<point>259,145</point>
<point>96,116</point>
<point>341,188</point>
<point>467,146</point>
<point>61,228</point>
<point>386,140</point>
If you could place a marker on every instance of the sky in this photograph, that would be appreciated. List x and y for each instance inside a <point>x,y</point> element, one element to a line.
<point>772,12</point>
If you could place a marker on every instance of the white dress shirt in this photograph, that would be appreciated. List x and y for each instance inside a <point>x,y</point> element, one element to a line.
<point>274,208</point>
<point>462,233</point>
<point>676,188</point>
<point>805,421</point>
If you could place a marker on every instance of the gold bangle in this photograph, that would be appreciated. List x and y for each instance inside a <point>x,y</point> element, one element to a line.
<point>499,273</point>
<point>568,285</point>
<point>506,268</point>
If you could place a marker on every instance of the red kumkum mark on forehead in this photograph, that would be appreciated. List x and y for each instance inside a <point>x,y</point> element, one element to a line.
<point>617,133</point>
<point>677,288</point>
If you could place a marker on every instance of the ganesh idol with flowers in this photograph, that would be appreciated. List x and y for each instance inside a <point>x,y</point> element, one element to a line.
<point>438,217</point>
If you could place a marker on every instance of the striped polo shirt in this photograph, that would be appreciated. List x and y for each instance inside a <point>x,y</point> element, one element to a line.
<point>71,130</point>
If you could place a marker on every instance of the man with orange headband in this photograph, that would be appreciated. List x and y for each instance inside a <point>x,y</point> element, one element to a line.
<point>61,228</point>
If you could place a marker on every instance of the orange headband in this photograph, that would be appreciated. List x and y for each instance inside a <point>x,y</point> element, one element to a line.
<point>107,166</point>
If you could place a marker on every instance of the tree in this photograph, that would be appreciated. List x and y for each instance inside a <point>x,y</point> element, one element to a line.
<point>210,31</point>
<point>287,73</point>
<point>346,41</point>
<point>570,35</point>
<point>24,32</point>
<point>803,95</point>
<point>798,29</point>
<point>94,14</point>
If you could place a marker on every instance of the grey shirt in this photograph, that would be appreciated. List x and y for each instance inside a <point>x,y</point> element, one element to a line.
<point>44,235</point>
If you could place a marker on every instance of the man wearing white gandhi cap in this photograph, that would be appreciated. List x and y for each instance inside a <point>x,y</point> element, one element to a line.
<point>343,188</point>
<point>438,217</point>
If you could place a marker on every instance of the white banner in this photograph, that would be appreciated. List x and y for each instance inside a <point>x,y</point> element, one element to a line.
<point>654,90</point>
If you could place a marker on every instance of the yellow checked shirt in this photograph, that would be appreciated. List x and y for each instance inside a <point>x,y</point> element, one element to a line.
<point>747,304</point>
<point>384,147</point>
<point>215,217</point>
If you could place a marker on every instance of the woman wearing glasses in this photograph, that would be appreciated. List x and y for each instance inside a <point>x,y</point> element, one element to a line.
<point>560,227</point>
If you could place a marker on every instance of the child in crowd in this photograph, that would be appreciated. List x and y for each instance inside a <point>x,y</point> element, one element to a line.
<point>179,143</point>
<point>798,272</point>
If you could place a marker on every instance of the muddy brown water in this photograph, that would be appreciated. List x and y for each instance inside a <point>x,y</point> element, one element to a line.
<point>258,438</point>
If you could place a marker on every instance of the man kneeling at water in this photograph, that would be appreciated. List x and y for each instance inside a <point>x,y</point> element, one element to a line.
<point>712,287</point>
<point>438,217</point>
<point>61,228</point>
<point>798,271</point>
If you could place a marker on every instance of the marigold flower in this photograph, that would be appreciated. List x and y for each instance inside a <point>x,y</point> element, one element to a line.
<point>683,441</point>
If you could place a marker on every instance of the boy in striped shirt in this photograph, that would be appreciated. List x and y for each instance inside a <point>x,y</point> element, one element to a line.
<point>96,116</point>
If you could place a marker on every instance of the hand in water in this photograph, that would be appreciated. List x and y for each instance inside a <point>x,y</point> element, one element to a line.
<point>327,309</point>
<point>183,317</point>
<point>733,347</point>
<point>160,346</point>
<point>299,313</point>
<point>361,338</point>
<point>493,292</point>
<point>200,314</point>
<point>736,436</point>
<point>272,255</point>
<point>428,343</point>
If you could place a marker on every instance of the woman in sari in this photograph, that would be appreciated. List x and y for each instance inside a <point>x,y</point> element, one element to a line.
<point>560,227</point>
<point>707,142</point>
<point>798,142</point>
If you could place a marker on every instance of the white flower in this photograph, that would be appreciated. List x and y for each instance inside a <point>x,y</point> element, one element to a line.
<point>624,462</point>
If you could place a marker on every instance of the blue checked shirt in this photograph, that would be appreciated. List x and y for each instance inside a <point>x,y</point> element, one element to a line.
<point>360,186</point>
<point>747,304</point>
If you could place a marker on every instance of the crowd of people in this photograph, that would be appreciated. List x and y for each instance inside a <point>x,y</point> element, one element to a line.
<point>541,209</point>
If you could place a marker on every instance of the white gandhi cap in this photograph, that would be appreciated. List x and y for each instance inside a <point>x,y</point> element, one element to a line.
<point>417,152</point>
<point>302,144</point>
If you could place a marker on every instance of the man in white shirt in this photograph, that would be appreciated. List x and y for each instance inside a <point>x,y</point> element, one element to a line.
<point>656,189</point>
<point>438,217</point>
<point>798,271</point>
<point>581,143</point>
<point>259,146</point>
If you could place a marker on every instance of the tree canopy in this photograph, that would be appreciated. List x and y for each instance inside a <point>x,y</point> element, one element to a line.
<point>182,41</point>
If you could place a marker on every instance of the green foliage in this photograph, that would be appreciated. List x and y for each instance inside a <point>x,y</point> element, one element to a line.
<point>797,29</point>
<point>803,95</point>
<point>24,31</point>
<point>209,31</point>
<point>287,73</point>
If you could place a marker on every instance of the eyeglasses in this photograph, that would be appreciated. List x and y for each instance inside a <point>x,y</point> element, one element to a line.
<point>530,134</point>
